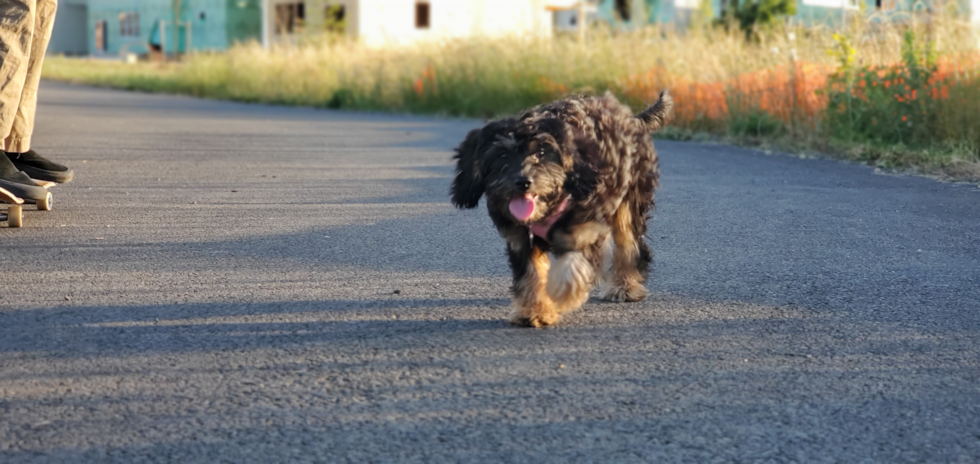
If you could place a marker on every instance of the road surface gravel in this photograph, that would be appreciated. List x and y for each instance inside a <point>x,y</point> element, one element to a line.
<point>226,282</point>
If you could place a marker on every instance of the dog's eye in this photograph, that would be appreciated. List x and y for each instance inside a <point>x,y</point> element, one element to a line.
<point>549,155</point>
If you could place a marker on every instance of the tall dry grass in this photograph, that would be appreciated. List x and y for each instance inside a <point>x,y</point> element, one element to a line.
<point>772,87</point>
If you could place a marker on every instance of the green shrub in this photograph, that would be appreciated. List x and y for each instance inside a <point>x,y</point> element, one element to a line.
<point>763,13</point>
<point>889,104</point>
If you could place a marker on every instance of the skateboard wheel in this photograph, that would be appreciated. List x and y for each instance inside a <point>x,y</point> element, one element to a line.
<point>14,217</point>
<point>46,204</point>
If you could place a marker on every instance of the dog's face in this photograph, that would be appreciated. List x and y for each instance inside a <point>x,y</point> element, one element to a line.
<point>525,168</point>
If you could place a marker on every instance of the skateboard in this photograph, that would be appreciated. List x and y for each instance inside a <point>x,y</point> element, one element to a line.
<point>15,214</point>
<point>46,203</point>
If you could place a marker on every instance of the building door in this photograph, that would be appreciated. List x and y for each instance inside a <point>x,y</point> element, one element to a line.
<point>101,37</point>
<point>290,18</point>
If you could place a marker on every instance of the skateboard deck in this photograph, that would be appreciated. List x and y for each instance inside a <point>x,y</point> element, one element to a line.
<point>7,197</point>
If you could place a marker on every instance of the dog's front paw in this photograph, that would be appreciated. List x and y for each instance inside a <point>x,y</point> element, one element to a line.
<point>569,281</point>
<point>534,318</point>
<point>625,292</point>
<point>536,321</point>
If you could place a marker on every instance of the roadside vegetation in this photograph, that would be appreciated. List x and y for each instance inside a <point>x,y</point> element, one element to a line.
<point>896,94</point>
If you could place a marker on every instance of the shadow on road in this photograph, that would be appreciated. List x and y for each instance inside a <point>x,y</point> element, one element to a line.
<point>118,330</point>
<point>312,386</point>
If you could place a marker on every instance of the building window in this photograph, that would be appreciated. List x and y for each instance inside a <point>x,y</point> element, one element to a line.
<point>129,24</point>
<point>101,38</point>
<point>422,15</point>
<point>290,18</point>
<point>623,10</point>
<point>335,18</point>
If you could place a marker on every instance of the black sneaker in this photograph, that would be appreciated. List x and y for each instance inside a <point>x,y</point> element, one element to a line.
<point>39,168</point>
<point>19,183</point>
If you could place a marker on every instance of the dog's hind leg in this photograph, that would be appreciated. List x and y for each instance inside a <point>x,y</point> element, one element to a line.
<point>631,257</point>
<point>530,264</point>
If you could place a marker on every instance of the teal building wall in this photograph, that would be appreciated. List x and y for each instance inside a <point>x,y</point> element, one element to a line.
<point>214,24</point>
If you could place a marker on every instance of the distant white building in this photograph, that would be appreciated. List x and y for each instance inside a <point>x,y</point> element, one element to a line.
<point>399,22</point>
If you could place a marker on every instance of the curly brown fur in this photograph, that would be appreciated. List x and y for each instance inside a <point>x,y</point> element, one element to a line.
<point>566,177</point>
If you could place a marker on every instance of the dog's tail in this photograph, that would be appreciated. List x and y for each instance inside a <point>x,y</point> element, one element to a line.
<point>655,116</point>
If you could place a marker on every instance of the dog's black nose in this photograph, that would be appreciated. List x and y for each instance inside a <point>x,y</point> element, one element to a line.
<point>523,183</point>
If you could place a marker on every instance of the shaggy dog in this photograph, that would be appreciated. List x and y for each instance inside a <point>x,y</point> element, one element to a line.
<point>564,177</point>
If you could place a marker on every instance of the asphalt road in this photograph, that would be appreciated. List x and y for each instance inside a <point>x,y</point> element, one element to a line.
<point>241,283</point>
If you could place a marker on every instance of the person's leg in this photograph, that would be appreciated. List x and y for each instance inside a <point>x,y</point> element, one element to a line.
<point>19,137</point>
<point>18,142</point>
<point>16,39</point>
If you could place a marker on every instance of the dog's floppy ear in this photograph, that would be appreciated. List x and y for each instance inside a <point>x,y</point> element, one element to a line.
<point>469,184</point>
<point>471,160</point>
<point>582,180</point>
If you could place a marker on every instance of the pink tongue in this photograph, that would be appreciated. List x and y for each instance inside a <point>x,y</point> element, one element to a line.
<point>522,207</point>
